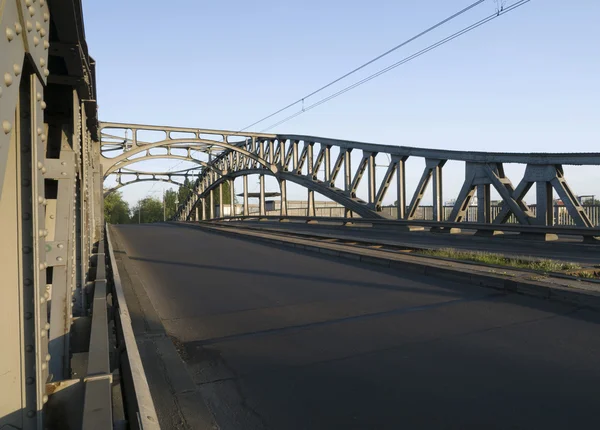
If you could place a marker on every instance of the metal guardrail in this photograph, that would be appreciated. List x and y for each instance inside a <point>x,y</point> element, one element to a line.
<point>588,234</point>
<point>97,408</point>
<point>139,402</point>
<point>98,398</point>
<point>424,212</point>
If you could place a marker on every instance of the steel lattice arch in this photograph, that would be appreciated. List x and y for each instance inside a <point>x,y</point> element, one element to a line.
<point>315,163</point>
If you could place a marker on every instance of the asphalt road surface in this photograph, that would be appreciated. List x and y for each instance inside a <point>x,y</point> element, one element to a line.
<point>278,339</point>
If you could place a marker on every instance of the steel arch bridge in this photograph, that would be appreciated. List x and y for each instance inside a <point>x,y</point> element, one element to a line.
<point>326,166</point>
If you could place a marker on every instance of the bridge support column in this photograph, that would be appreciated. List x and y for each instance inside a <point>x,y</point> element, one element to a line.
<point>203,204</point>
<point>197,215</point>
<point>211,206</point>
<point>246,211</point>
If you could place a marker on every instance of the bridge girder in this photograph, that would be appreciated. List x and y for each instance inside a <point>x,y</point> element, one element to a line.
<point>315,163</point>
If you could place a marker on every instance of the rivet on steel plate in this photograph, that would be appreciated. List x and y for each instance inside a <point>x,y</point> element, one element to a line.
<point>6,127</point>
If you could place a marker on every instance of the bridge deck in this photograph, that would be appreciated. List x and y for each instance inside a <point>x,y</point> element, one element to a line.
<point>279,339</point>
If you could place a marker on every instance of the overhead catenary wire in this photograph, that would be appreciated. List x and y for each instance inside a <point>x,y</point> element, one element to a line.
<point>362,66</point>
<point>403,61</point>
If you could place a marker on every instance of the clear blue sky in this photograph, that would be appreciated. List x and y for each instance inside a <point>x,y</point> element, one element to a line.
<point>528,81</point>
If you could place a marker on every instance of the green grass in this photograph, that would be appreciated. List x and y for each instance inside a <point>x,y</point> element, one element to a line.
<point>543,265</point>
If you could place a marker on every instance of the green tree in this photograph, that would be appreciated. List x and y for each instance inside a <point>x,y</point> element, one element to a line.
<point>151,211</point>
<point>184,191</point>
<point>116,210</point>
<point>170,205</point>
<point>590,201</point>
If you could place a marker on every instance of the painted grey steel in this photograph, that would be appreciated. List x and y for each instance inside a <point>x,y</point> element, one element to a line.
<point>51,217</point>
<point>308,161</point>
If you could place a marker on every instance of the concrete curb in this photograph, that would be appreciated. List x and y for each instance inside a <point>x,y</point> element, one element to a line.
<point>582,298</point>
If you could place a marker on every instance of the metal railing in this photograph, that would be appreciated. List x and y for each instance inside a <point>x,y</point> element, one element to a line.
<point>561,214</point>
<point>588,234</point>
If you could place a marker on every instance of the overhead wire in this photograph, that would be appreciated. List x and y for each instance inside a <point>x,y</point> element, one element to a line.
<point>404,60</point>
<point>362,66</point>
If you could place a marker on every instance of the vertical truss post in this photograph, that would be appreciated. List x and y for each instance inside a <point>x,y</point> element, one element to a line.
<point>438,202</point>
<point>328,164</point>
<point>544,213</point>
<point>372,178</point>
<point>211,206</point>
<point>484,204</point>
<point>61,248</point>
<point>262,196</point>
<point>401,188</point>
<point>347,178</point>
<point>311,174</point>
<point>246,209</point>
<point>232,197</point>
<point>283,190</point>
<point>221,205</point>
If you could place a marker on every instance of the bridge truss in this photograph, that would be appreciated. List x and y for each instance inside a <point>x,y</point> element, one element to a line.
<point>55,157</point>
<point>326,166</point>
